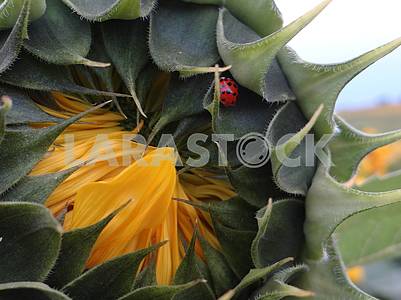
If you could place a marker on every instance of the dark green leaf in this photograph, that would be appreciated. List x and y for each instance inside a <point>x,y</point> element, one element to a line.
<point>30,73</point>
<point>262,16</point>
<point>60,37</point>
<point>250,115</point>
<point>75,249</point>
<point>255,185</point>
<point>5,106</point>
<point>127,50</point>
<point>182,36</point>
<point>189,271</point>
<point>277,288</point>
<point>110,280</point>
<point>187,126</point>
<point>256,275</point>
<point>30,242</point>
<point>24,109</point>
<point>10,10</point>
<point>105,77</point>
<point>236,245</point>
<point>29,290</point>
<point>280,232</point>
<point>184,98</point>
<point>23,148</point>
<point>35,188</point>
<point>11,42</point>
<point>159,292</point>
<point>222,275</point>
<point>292,161</point>
<point>235,213</point>
<point>111,9</point>
<point>147,277</point>
<point>151,87</point>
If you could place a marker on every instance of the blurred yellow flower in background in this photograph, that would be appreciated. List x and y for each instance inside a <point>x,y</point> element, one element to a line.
<point>379,161</point>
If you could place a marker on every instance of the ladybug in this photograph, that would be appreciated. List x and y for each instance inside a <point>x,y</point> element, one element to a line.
<point>228,91</point>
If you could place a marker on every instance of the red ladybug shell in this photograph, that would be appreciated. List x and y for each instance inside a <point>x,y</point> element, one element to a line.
<point>228,91</point>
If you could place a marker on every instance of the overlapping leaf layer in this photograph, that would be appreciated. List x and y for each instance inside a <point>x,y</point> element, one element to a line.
<point>156,60</point>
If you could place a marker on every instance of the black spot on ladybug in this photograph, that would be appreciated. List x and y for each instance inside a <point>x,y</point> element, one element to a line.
<point>223,92</point>
<point>235,94</point>
<point>70,207</point>
<point>230,84</point>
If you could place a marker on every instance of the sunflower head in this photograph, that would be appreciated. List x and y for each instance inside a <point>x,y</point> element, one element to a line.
<point>160,149</point>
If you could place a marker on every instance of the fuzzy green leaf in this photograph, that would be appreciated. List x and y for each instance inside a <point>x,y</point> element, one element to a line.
<point>249,115</point>
<point>222,275</point>
<point>24,109</point>
<point>280,233</point>
<point>98,52</point>
<point>110,280</point>
<point>10,11</point>
<point>159,292</point>
<point>233,31</point>
<point>5,106</point>
<point>60,37</point>
<point>235,213</point>
<point>262,16</point>
<point>11,42</point>
<point>255,185</point>
<point>189,271</point>
<point>36,189</point>
<point>329,204</point>
<point>350,146</point>
<point>152,84</point>
<point>315,84</point>
<point>277,286</point>
<point>184,98</point>
<point>30,73</point>
<point>327,276</point>
<point>187,126</point>
<point>147,277</point>
<point>236,246</point>
<point>293,166</point>
<point>30,241</point>
<point>111,9</point>
<point>29,290</point>
<point>257,275</point>
<point>253,59</point>
<point>24,147</point>
<point>370,236</point>
<point>182,36</point>
<point>127,50</point>
<point>75,249</point>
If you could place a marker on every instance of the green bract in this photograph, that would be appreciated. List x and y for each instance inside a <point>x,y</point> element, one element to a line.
<point>10,10</point>
<point>289,232</point>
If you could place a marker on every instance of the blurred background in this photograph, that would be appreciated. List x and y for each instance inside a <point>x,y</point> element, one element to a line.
<point>371,102</point>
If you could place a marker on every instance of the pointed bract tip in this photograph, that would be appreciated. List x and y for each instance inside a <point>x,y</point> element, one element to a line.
<point>228,295</point>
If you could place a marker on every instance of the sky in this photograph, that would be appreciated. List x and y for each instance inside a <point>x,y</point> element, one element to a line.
<point>347,29</point>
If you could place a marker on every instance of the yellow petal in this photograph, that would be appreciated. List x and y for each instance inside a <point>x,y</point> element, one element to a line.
<point>149,183</point>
